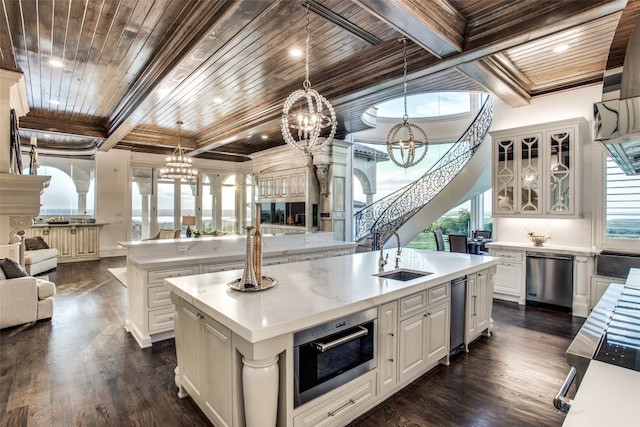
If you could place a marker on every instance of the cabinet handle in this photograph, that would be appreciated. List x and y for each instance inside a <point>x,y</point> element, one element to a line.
<point>475,300</point>
<point>391,334</point>
<point>427,314</point>
<point>350,402</point>
<point>390,360</point>
<point>199,316</point>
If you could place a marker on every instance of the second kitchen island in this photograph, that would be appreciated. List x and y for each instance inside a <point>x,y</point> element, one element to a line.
<point>238,353</point>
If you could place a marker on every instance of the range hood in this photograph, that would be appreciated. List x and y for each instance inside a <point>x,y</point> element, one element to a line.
<point>617,121</point>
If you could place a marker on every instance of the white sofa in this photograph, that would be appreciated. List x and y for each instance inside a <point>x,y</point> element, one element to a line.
<point>41,260</point>
<point>24,300</point>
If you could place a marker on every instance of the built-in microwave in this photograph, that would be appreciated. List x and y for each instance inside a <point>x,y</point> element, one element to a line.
<point>334,353</point>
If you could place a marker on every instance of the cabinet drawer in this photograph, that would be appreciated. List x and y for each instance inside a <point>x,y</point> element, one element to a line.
<point>212,268</point>
<point>437,294</point>
<point>341,252</point>
<point>307,257</point>
<point>161,319</point>
<point>341,407</point>
<point>413,303</point>
<point>158,276</point>
<point>158,296</point>
<point>508,255</point>
<point>275,261</point>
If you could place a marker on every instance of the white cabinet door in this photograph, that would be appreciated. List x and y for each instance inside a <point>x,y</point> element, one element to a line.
<point>471,318</point>
<point>437,332</point>
<point>205,363</point>
<point>536,169</point>
<point>509,278</point>
<point>484,301</point>
<point>388,331</point>
<point>191,342</point>
<point>479,304</point>
<point>412,355</point>
<point>61,239</point>
<point>217,372</point>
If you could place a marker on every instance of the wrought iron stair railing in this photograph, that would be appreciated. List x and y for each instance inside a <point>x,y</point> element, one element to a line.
<point>394,210</point>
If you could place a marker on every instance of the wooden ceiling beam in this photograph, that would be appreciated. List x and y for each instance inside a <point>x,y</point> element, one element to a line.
<point>45,124</point>
<point>435,25</point>
<point>481,59</point>
<point>159,140</point>
<point>501,78</point>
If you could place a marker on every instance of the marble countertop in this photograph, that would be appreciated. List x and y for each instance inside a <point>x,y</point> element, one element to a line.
<point>71,224</point>
<point>312,292</point>
<point>231,253</point>
<point>608,396</point>
<point>547,247</point>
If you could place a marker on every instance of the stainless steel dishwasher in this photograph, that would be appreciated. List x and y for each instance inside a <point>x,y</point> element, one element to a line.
<point>550,279</point>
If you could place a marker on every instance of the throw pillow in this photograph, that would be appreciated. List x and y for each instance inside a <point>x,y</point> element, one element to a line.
<point>12,269</point>
<point>35,243</point>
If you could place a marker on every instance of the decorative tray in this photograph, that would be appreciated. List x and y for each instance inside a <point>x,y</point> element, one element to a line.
<point>267,282</point>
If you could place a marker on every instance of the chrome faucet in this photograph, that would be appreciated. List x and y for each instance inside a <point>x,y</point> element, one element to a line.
<point>382,261</point>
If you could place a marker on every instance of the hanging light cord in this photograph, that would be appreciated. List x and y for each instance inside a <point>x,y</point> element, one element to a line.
<point>405,118</point>
<point>307,82</point>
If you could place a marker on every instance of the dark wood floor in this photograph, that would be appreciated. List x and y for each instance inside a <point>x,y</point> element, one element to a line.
<point>82,369</point>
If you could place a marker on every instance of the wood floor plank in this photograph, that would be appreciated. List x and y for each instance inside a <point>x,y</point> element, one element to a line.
<point>82,368</point>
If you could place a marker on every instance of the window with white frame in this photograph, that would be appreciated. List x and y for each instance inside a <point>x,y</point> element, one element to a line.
<point>622,204</point>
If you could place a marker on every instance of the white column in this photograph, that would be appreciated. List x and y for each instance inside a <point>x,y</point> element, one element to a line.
<point>217,201</point>
<point>581,287</point>
<point>260,389</point>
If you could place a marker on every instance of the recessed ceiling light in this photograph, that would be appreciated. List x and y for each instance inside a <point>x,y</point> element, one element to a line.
<point>54,102</point>
<point>265,137</point>
<point>55,63</point>
<point>217,100</point>
<point>561,48</point>
<point>295,52</point>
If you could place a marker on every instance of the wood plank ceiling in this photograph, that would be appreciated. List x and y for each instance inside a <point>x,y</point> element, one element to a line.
<point>132,68</point>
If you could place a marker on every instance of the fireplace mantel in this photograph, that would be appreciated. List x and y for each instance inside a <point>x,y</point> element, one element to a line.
<point>19,203</point>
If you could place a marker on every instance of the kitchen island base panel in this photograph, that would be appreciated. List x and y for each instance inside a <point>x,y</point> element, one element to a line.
<point>259,330</point>
<point>260,390</point>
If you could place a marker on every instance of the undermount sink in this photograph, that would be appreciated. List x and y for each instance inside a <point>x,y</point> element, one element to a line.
<point>402,274</point>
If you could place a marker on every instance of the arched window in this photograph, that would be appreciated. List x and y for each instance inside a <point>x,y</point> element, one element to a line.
<point>436,104</point>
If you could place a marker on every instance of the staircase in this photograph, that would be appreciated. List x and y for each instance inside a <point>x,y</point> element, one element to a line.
<point>408,210</point>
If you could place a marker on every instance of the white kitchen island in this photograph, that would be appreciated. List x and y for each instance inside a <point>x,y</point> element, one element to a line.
<point>149,262</point>
<point>234,349</point>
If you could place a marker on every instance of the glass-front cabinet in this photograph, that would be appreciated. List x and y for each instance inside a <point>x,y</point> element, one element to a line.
<point>536,169</point>
<point>288,201</point>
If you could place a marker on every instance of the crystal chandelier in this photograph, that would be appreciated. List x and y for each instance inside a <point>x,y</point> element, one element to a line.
<point>178,164</point>
<point>405,138</point>
<point>308,120</point>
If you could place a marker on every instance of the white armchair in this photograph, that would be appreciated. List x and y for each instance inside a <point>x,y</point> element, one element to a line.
<point>24,300</point>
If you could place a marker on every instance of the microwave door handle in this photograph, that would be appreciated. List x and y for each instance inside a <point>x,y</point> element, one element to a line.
<point>322,347</point>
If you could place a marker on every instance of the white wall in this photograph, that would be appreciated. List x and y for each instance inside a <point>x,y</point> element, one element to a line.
<point>112,200</point>
<point>549,108</point>
<point>560,106</point>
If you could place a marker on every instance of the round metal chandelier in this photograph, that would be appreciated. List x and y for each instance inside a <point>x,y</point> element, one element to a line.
<point>405,138</point>
<point>178,165</point>
<point>308,120</point>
